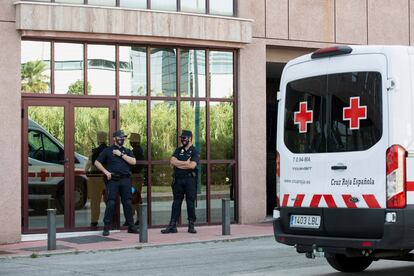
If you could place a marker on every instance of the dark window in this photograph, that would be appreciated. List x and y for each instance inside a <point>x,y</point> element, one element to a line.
<point>334,113</point>
<point>44,149</point>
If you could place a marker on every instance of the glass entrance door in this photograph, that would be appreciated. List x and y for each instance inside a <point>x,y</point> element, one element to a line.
<point>58,138</point>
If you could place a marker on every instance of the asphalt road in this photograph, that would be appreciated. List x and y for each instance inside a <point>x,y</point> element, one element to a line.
<point>262,256</point>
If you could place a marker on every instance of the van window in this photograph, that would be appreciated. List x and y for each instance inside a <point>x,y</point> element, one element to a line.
<point>44,149</point>
<point>346,111</point>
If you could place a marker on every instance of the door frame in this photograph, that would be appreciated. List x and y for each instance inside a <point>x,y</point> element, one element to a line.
<point>69,146</point>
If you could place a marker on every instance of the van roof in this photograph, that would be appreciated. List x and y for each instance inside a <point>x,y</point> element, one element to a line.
<point>362,49</point>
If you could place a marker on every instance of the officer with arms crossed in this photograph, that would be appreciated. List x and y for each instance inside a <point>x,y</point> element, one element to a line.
<point>118,160</point>
<point>184,161</point>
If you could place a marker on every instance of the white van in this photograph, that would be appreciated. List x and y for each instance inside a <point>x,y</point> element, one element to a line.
<point>46,171</point>
<point>345,158</point>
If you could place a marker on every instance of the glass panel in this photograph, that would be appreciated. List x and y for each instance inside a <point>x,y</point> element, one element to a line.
<point>164,5</point>
<point>45,170</point>
<point>356,111</point>
<point>221,74</point>
<point>196,6</point>
<point>221,7</point>
<point>90,138</point>
<point>163,72</point>
<point>163,129</point>
<point>111,3</point>
<point>133,71</point>
<point>301,134</point>
<point>133,116</point>
<point>222,186</point>
<point>35,67</point>
<point>70,1</point>
<point>161,194</point>
<point>222,130</point>
<point>101,70</point>
<point>140,4</point>
<point>201,206</point>
<point>69,68</point>
<point>193,117</point>
<point>193,73</point>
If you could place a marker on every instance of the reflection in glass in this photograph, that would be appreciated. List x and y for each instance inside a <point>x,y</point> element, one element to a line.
<point>196,6</point>
<point>163,129</point>
<point>193,117</point>
<point>221,7</point>
<point>133,117</point>
<point>101,69</point>
<point>221,130</point>
<point>45,164</point>
<point>69,69</point>
<point>161,194</point>
<point>70,1</point>
<point>140,4</point>
<point>163,72</point>
<point>201,210</point>
<point>35,67</point>
<point>91,135</point>
<point>221,186</point>
<point>193,73</point>
<point>133,71</point>
<point>164,5</point>
<point>221,74</point>
<point>111,3</point>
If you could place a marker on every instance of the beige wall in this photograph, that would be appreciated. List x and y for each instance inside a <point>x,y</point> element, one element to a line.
<point>252,132</point>
<point>10,187</point>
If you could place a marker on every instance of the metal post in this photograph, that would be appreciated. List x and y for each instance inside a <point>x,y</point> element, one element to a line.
<point>51,229</point>
<point>143,223</point>
<point>225,218</point>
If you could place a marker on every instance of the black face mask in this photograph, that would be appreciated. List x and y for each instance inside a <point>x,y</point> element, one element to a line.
<point>134,145</point>
<point>120,141</point>
<point>185,141</point>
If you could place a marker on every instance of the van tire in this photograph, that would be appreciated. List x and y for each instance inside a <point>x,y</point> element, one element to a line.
<point>80,192</point>
<point>348,264</point>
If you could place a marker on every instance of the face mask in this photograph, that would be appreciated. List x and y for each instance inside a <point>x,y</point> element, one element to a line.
<point>184,141</point>
<point>120,141</point>
<point>134,145</point>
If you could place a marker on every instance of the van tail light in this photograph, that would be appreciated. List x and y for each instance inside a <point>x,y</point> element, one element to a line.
<point>396,177</point>
<point>277,179</point>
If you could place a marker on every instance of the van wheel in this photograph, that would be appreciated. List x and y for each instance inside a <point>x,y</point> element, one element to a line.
<point>347,264</point>
<point>80,196</point>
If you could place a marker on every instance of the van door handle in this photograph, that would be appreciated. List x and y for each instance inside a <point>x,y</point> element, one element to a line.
<point>338,167</point>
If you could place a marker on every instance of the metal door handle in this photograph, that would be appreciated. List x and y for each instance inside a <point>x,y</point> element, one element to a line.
<point>339,167</point>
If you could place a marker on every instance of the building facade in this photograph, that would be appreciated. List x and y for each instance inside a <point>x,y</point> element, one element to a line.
<point>71,69</point>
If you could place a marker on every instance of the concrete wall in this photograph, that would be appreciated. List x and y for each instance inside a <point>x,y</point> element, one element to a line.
<point>252,132</point>
<point>10,169</point>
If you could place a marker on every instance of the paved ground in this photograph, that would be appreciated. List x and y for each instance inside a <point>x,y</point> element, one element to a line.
<point>247,256</point>
<point>93,241</point>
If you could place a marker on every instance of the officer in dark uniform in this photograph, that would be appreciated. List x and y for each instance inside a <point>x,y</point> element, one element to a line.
<point>184,161</point>
<point>118,160</point>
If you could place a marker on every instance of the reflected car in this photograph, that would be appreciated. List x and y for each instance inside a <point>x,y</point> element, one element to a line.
<point>46,171</point>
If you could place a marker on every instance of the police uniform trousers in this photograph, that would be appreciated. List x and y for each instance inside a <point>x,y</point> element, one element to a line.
<point>96,187</point>
<point>123,187</point>
<point>184,185</point>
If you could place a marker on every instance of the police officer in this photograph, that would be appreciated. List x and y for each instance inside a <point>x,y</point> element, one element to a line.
<point>118,160</point>
<point>184,161</point>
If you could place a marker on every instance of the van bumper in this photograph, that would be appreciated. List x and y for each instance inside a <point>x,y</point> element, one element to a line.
<point>398,235</point>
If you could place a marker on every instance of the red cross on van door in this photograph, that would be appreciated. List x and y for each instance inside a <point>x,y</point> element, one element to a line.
<point>43,175</point>
<point>303,117</point>
<point>354,113</point>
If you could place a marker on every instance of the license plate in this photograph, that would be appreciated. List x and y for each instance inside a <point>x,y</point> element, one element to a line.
<point>305,221</point>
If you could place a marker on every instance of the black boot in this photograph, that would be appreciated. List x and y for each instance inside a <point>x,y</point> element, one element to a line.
<point>171,228</point>
<point>191,227</point>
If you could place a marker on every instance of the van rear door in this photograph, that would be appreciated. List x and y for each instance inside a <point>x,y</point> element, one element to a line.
<point>335,134</point>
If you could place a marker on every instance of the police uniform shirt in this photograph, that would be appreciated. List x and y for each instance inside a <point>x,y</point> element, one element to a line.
<point>183,155</point>
<point>115,164</point>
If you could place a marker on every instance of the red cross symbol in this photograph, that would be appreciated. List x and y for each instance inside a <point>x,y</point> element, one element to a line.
<point>354,113</point>
<point>303,117</point>
<point>43,174</point>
